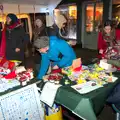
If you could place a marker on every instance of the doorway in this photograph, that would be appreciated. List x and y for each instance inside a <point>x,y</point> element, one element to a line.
<point>92,14</point>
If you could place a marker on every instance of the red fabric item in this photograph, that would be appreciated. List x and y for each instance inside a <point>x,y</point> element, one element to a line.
<point>2,61</point>
<point>6,63</point>
<point>118,68</point>
<point>56,71</point>
<point>14,25</point>
<point>78,69</point>
<point>10,75</point>
<point>3,44</point>
<point>3,39</point>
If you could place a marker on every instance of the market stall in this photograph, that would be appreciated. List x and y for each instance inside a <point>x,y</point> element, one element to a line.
<point>19,97</point>
<point>84,97</point>
<point>86,106</point>
<point>81,89</point>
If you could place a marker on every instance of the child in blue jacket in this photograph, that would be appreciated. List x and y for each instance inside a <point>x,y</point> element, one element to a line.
<point>50,50</point>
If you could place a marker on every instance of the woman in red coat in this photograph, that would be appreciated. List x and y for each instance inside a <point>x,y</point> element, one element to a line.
<point>107,38</point>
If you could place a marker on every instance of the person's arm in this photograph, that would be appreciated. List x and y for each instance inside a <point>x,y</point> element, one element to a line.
<point>22,39</point>
<point>100,42</point>
<point>45,62</point>
<point>67,53</point>
<point>118,35</point>
<point>114,62</point>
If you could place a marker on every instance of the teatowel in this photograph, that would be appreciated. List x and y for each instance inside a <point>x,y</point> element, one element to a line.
<point>48,93</point>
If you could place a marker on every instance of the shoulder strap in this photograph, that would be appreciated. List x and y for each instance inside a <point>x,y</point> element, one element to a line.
<point>46,32</point>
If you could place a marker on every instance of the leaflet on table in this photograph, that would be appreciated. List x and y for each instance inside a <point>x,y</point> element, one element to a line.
<point>90,86</point>
<point>86,87</point>
<point>48,93</point>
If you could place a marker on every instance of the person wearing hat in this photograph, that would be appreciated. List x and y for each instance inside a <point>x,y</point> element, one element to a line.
<point>39,31</point>
<point>13,36</point>
<point>50,49</point>
<point>59,28</point>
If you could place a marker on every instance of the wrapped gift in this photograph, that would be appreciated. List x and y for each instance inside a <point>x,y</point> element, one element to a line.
<point>27,75</point>
<point>4,71</point>
<point>7,64</point>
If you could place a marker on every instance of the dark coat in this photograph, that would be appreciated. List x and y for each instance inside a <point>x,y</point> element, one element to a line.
<point>114,97</point>
<point>15,39</point>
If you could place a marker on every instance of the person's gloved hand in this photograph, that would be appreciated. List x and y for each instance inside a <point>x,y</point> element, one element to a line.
<point>72,42</point>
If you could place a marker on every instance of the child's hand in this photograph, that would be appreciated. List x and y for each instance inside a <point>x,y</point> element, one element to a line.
<point>17,50</point>
<point>101,51</point>
<point>55,67</point>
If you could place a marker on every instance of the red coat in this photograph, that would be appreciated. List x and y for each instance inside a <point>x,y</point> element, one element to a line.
<point>102,43</point>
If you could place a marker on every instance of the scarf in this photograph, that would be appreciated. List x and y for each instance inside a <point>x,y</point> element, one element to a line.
<point>111,38</point>
<point>3,39</point>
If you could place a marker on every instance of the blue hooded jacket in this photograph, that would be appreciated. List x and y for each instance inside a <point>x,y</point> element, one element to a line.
<point>57,47</point>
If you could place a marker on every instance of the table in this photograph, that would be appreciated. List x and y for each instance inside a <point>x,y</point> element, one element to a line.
<point>86,106</point>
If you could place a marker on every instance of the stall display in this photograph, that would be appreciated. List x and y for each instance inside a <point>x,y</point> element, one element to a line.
<point>12,75</point>
<point>89,73</point>
<point>82,78</point>
<point>92,85</point>
<point>55,77</point>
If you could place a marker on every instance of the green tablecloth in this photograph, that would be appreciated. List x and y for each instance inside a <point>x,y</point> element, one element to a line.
<point>86,106</point>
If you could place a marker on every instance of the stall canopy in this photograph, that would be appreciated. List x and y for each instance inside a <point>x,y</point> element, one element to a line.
<point>43,5</point>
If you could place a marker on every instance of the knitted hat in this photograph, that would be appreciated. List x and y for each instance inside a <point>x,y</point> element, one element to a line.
<point>13,17</point>
<point>60,20</point>
<point>41,42</point>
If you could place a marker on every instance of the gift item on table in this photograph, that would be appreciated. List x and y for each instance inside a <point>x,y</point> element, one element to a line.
<point>67,70</point>
<point>17,63</point>
<point>77,65</point>
<point>90,73</point>
<point>108,67</point>
<point>20,73</point>
<point>20,69</point>
<point>7,64</point>
<point>14,73</point>
<point>103,64</point>
<point>25,76</point>
<point>4,71</point>
<point>65,81</point>
<point>55,77</point>
<point>11,75</point>
<point>56,70</point>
